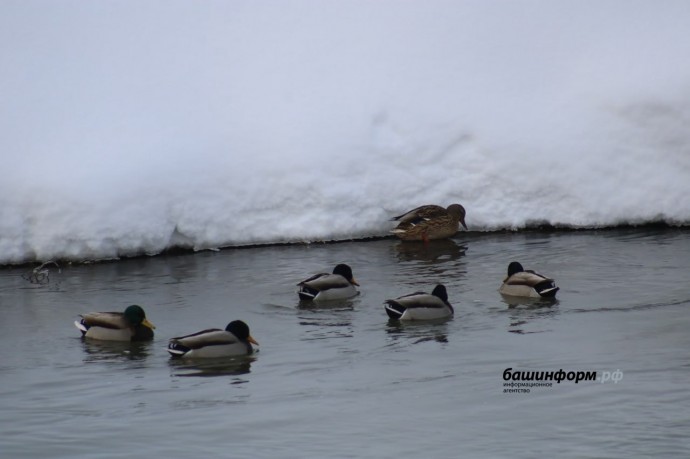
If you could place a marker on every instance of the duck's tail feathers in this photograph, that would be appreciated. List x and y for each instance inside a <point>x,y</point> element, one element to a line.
<point>177,350</point>
<point>81,326</point>
<point>306,293</point>
<point>549,292</point>
<point>546,288</point>
<point>394,310</point>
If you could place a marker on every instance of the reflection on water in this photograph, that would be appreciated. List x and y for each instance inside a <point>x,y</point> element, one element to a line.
<point>528,303</point>
<point>235,366</point>
<point>526,312</point>
<point>112,351</point>
<point>418,332</point>
<point>438,251</point>
<point>335,305</point>
<point>429,263</point>
<point>326,319</point>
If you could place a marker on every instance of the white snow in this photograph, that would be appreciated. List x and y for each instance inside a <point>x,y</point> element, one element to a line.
<point>129,127</point>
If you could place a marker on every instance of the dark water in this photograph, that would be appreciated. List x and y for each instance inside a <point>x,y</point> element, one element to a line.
<point>340,380</point>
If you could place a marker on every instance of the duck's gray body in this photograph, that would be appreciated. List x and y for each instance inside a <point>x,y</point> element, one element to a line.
<point>338,285</point>
<point>235,340</point>
<point>130,325</point>
<point>420,306</point>
<point>527,283</point>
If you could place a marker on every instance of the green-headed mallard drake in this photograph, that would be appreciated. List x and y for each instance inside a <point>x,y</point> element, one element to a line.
<point>429,222</point>
<point>131,325</point>
<point>235,340</point>
<point>421,305</point>
<point>520,282</point>
<point>337,286</point>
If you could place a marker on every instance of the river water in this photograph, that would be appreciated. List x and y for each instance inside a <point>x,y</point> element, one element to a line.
<point>340,380</point>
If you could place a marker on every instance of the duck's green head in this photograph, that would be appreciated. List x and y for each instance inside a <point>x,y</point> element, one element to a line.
<point>241,331</point>
<point>135,315</point>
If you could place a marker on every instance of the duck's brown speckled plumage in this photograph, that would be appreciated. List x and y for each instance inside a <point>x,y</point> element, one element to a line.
<point>430,222</point>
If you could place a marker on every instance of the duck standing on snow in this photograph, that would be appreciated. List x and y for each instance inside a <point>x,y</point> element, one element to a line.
<point>429,222</point>
<point>527,283</point>
<point>337,286</point>
<point>421,305</point>
<point>130,325</point>
<point>235,340</point>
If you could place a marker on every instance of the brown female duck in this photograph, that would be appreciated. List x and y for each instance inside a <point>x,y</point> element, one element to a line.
<point>429,222</point>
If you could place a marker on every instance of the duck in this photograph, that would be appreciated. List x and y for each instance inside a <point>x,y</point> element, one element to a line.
<point>421,305</point>
<point>429,222</point>
<point>130,325</point>
<point>336,286</point>
<point>234,341</point>
<point>527,283</point>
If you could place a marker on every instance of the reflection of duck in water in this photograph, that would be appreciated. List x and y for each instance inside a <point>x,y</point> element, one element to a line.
<point>429,222</point>
<point>130,325</point>
<point>435,251</point>
<point>235,340</point>
<point>115,351</point>
<point>336,286</point>
<point>522,283</point>
<point>526,302</point>
<point>421,305</point>
<point>415,332</point>
<point>212,367</point>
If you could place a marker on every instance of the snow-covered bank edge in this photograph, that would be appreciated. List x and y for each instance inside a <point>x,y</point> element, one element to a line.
<point>531,227</point>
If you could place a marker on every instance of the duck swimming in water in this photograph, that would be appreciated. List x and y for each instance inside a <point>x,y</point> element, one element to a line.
<point>235,340</point>
<point>421,305</point>
<point>527,283</point>
<point>429,222</point>
<point>336,286</point>
<point>130,325</point>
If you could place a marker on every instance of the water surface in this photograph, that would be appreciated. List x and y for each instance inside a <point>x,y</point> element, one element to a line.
<point>341,380</point>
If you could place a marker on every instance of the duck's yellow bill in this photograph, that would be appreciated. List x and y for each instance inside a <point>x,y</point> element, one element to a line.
<point>146,323</point>
<point>354,282</point>
<point>252,340</point>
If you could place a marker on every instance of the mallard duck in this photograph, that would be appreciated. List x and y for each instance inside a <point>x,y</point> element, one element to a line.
<point>131,325</point>
<point>235,340</point>
<point>429,222</point>
<point>421,305</point>
<point>324,286</point>
<point>520,282</point>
